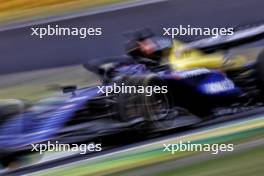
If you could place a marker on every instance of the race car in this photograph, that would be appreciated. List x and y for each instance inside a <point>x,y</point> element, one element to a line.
<point>194,93</point>
<point>245,71</point>
<point>206,53</point>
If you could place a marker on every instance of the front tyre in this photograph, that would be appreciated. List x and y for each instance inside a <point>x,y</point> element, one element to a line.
<point>160,110</point>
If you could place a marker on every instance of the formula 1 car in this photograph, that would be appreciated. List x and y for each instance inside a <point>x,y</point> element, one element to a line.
<point>192,94</point>
<point>166,62</point>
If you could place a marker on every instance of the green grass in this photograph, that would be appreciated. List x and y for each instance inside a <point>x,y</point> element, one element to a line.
<point>247,163</point>
<point>150,156</point>
<point>36,85</point>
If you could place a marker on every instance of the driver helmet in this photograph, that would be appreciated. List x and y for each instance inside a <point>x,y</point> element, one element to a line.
<point>154,48</point>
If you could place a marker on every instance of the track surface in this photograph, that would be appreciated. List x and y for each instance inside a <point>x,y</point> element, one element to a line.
<point>20,52</point>
<point>221,122</point>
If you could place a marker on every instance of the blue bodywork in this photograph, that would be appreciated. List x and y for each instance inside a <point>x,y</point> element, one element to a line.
<point>34,126</point>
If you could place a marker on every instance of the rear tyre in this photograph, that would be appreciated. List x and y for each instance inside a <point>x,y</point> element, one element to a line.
<point>11,107</point>
<point>16,161</point>
<point>260,68</point>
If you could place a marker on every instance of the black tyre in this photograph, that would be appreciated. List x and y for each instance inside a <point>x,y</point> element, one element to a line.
<point>11,107</point>
<point>157,108</point>
<point>15,161</point>
<point>260,68</point>
<point>160,109</point>
<point>129,104</point>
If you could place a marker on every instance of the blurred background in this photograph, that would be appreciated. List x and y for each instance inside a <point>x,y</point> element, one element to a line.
<point>32,69</point>
<point>24,10</point>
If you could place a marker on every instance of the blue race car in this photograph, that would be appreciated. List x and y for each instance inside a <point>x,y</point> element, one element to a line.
<point>134,95</point>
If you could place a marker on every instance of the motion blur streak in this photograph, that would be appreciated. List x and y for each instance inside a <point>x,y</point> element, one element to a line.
<point>19,51</point>
<point>142,160</point>
<point>18,10</point>
<point>29,53</point>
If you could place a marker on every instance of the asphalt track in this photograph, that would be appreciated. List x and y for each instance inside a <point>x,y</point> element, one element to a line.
<point>222,122</point>
<point>20,52</point>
